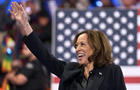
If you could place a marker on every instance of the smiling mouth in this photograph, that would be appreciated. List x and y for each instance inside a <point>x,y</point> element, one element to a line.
<point>80,56</point>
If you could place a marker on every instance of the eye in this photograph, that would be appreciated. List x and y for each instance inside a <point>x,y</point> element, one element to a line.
<point>82,44</point>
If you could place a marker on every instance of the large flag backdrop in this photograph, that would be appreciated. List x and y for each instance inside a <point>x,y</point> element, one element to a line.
<point>122,27</point>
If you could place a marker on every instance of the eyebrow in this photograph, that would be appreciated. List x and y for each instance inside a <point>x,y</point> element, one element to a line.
<point>81,42</point>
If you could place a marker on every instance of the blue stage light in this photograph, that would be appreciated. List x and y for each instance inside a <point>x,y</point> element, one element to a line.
<point>9,51</point>
<point>116,3</point>
<point>99,4</point>
<point>2,1</point>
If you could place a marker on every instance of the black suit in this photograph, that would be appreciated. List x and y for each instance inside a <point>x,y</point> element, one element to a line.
<point>104,78</point>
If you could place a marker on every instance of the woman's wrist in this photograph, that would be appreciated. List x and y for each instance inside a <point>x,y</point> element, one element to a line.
<point>26,29</point>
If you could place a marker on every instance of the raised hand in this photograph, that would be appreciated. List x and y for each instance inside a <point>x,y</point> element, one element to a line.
<point>19,13</point>
<point>21,17</point>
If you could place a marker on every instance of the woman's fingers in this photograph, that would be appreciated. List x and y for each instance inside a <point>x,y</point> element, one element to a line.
<point>17,6</point>
<point>14,8</point>
<point>18,12</point>
<point>12,13</point>
<point>22,9</point>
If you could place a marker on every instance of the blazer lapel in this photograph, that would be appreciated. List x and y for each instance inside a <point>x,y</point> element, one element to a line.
<point>97,80</point>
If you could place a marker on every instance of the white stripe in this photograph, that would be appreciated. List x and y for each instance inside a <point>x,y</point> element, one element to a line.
<point>138,20</point>
<point>54,86</point>
<point>133,86</point>
<point>138,54</point>
<point>131,71</point>
<point>138,37</point>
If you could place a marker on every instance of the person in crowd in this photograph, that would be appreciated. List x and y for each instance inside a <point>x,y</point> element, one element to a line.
<point>107,4</point>
<point>130,4</point>
<point>32,76</point>
<point>69,4</point>
<point>45,28</point>
<point>75,4</point>
<point>2,77</point>
<point>94,70</point>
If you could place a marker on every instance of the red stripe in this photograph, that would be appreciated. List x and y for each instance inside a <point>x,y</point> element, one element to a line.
<point>138,11</point>
<point>127,79</point>
<point>138,45</point>
<point>132,79</point>
<point>138,28</point>
<point>55,79</point>
<point>138,62</point>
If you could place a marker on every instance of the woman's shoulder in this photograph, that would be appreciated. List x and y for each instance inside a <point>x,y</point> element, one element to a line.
<point>113,67</point>
<point>109,69</point>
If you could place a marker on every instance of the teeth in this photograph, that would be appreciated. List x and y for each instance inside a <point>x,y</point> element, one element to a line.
<point>80,54</point>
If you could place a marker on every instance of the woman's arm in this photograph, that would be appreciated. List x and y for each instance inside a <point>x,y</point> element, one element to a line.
<point>35,45</point>
<point>33,42</point>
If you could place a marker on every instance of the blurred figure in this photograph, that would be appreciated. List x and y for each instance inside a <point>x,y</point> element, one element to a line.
<point>4,18</point>
<point>2,79</point>
<point>16,64</point>
<point>40,19</point>
<point>107,3</point>
<point>69,4</point>
<point>32,76</point>
<point>2,76</point>
<point>83,4</point>
<point>130,4</point>
<point>32,6</point>
<point>6,57</point>
<point>75,4</point>
<point>45,28</point>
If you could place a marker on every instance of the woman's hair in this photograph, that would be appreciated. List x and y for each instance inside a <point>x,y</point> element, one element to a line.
<point>102,51</point>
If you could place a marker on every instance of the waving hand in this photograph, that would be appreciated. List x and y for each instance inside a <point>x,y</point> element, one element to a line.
<point>21,17</point>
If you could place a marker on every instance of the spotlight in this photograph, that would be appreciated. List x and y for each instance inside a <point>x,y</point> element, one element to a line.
<point>9,51</point>
<point>99,4</point>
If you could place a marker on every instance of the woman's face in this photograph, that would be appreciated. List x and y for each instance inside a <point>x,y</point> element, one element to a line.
<point>83,49</point>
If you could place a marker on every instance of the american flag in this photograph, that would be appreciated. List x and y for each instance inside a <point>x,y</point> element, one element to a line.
<point>122,28</point>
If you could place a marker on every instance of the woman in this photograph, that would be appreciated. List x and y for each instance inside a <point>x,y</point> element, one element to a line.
<point>95,70</point>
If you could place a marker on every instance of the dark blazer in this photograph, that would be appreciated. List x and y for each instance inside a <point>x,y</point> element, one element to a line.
<point>107,78</point>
